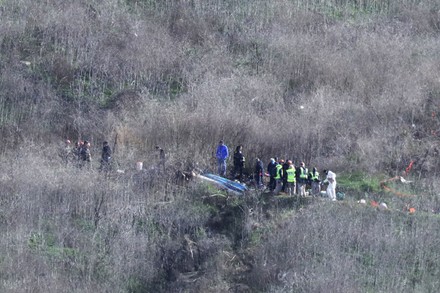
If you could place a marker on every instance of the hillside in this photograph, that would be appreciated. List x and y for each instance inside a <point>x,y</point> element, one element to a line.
<point>351,86</point>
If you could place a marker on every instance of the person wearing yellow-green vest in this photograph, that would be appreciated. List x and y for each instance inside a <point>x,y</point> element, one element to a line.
<point>278,177</point>
<point>314,181</point>
<point>291,179</point>
<point>301,176</point>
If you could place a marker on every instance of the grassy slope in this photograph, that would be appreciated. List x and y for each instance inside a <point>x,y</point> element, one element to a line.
<point>152,72</point>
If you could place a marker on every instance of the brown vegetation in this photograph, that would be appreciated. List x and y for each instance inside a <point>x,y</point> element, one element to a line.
<point>351,86</point>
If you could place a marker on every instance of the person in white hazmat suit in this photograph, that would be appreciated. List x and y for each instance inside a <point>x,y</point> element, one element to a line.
<point>331,188</point>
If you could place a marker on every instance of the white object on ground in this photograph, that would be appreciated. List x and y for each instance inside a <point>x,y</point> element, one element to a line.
<point>383,206</point>
<point>404,181</point>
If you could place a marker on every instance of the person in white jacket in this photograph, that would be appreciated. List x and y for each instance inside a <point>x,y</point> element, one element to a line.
<point>331,188</point>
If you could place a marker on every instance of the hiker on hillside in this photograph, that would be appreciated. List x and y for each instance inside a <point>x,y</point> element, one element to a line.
<point>301,179</point>
<point>331,188</point>
<point>106,156</point>
<point>222,155</point>
<point>314,181</point>
<point>161,158</point>
<point>278,177</point>
<point>85,157</point>
<point>271,170</point>
<point>258,173</point>
<point>238,163</point>
<point>291,179</point>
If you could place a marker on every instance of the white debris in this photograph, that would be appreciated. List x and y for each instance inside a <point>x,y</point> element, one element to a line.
<point>383,206</point>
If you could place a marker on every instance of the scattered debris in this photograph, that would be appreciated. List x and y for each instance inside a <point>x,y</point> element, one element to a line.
<point>384,186</point>
<point>383,206</point>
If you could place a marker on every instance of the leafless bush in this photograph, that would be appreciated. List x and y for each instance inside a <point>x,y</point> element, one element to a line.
<point>347,85</point>
<point>341,248</point>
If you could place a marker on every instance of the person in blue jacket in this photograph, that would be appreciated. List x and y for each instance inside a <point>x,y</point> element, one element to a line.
<point>222,155</point>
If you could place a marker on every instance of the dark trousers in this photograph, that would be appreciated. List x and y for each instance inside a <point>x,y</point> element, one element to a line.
<point>258,179</point>
<point>238,173</point>
<point>283,189</point>
<point>272,183</point>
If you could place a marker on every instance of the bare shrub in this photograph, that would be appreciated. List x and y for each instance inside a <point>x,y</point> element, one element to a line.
<point>326,249</point>
<point>351,86</point>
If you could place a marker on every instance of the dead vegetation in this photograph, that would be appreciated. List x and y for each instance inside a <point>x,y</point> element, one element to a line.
<point>350,86</point>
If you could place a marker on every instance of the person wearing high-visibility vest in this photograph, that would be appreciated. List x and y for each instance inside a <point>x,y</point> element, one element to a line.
<point>291,179</point>
<point>315,182</point>
<point>278,177</point>
<point>301,174</point>
<point>285,167</point>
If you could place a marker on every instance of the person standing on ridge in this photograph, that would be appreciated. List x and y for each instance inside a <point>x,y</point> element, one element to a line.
<point>238,163</point>
<point>222,155</point>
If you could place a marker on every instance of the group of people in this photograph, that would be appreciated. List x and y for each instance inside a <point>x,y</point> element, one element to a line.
<point>79,154</point>
<point>283,175</point>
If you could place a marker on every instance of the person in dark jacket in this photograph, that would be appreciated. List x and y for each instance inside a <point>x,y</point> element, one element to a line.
<point>238,163</point>
<point>85,157</point>
<point>258,173</point>
<point>161,159</point>
<point>271,169</point>
<point>106,156</point>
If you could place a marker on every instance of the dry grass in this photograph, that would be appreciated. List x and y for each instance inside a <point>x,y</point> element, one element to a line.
<point>345,85</point>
